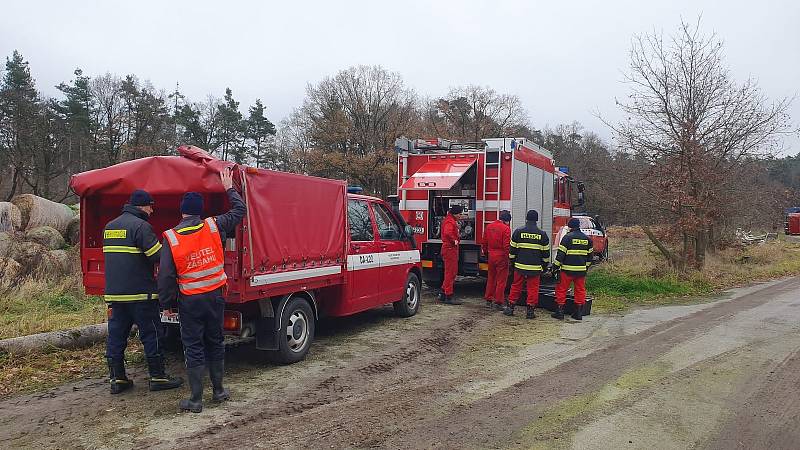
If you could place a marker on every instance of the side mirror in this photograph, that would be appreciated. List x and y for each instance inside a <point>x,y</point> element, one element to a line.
<point>408,230</point>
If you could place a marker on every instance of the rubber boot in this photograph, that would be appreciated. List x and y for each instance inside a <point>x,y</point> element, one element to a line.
<point>441,297</point>
<point>451,300</point>
<point>499,306</point>
<point>509,309</point>
<point>530,314</point>
<point>195,402</point>
<point>116,375</point>
<point>578,313</point>
<point>159,380</point>
<point>216,371</point>
<point>559,314</point>
<point>489,304</point>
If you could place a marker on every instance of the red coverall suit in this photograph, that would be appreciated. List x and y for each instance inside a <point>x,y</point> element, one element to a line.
<point>496,245</point>
<point>450,237</point>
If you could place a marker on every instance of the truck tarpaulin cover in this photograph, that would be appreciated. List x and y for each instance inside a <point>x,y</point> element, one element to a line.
<point>298,222</point>
<point>195,170</point>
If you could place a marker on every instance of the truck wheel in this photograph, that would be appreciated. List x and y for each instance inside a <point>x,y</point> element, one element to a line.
<point>409,305</point>
<point>296,331</point>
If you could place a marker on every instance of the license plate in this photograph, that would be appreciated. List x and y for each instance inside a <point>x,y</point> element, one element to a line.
<point>169,317</point>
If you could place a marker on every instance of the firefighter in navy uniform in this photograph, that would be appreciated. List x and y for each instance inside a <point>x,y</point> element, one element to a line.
<point>530,254</point>
<point>573,261</point>
<point>192,273</point>
<point>131,249</point>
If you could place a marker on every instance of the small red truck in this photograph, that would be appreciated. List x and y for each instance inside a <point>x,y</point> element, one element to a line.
<point>793,224</point>
<point>306,248</point>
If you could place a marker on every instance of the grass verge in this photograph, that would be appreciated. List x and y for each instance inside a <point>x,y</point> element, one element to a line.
<point>34,306</point>
<point>52,367</point>
<point>638,275</point>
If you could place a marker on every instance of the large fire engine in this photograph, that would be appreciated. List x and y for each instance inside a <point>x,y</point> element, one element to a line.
<point>486,177</point>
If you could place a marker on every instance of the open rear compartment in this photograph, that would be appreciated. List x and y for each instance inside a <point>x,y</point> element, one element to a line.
<point>458,188</point>
<point>105,191</point>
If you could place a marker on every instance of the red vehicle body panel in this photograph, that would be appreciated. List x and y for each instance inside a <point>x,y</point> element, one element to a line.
<point>293,238</point>
<point>793,226</point>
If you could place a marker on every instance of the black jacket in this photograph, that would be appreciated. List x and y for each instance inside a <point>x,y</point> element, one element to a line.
<point>574,253</point>
<point>131,250</point>
<point>167,273</point>
<point>530,249</point>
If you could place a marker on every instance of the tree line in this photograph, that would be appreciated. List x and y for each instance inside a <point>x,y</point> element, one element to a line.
<point>695,154</point>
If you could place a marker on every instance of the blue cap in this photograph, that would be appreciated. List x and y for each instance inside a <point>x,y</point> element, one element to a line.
<point>505,216</point>
<point>141,198</point>
<point>192,204</point>
<point>574,223</point>
<point>532,216</point>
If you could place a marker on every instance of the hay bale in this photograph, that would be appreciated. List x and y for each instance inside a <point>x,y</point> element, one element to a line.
<point>54,263</point>
<point>62,259</point>
<point>28,254</point>
<point>6,241</point>
<point>73,235</point>
<point>10,217</point>
<point>10,270</point>
<point>37,212</point>
<point>47,236</point>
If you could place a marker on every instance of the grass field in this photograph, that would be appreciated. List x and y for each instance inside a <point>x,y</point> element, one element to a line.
<point>636,273</point>
<point>37,306</point>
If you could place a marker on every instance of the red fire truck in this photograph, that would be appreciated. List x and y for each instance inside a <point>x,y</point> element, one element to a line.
<point>486,177</point>
<point>306,248</point>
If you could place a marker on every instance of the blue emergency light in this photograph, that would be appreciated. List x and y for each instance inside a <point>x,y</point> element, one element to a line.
<point>355,189</point>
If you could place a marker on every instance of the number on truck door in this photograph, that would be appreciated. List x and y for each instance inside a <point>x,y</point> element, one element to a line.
<point>362,259</point>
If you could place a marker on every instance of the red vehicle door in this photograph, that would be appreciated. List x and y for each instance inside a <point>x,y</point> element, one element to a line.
<point>363,264</point>
<point>394,258</point>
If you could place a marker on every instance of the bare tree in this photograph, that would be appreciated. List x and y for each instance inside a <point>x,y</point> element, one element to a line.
<point>471,113</point>
<point>355,116</point>
<point>695,127</point>
<point>107,92</point>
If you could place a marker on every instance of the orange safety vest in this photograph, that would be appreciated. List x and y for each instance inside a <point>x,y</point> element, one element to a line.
<point>199,258</point>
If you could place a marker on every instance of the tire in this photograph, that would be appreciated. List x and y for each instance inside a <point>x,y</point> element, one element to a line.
<point>409,305</point>
<point>296,331</point>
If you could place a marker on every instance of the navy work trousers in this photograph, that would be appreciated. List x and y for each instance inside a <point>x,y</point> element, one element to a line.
<point>145,314</point>
<point>201,319</point>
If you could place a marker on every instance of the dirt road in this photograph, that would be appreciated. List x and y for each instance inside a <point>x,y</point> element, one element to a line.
<point>724,374</point>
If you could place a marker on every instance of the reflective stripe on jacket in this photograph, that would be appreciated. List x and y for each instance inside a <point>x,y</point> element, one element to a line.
<point>530,249</point>
<point>130,250</point>
<point>574,253</point>
<point>199,257</point>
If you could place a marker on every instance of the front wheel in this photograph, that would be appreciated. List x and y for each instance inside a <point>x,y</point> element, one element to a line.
<point>296,331</point>
<point>409,304</point>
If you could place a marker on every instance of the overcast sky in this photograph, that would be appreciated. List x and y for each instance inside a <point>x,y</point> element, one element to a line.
<point>563,59</point>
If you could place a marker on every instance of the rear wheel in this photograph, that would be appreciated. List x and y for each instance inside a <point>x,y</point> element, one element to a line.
<point>296,331</point>
<point>409,304</point>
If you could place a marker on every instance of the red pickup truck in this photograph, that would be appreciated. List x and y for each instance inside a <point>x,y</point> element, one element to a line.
<point>305,249</point>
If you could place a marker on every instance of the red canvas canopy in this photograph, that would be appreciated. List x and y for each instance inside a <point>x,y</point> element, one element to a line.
<point>195,170</point>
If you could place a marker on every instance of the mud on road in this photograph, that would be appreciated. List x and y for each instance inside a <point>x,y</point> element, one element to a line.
<point>720,374</point>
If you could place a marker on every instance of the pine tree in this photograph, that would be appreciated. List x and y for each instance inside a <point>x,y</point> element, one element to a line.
<point>20,108</point>
<point>259,132</point>
<point>231,129</point>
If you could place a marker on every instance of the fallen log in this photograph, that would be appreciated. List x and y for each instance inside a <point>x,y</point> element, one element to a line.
<point>74,338</point>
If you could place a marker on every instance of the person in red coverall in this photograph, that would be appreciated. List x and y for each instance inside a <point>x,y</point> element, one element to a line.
<point>496,246</point>
<point>450,238</point>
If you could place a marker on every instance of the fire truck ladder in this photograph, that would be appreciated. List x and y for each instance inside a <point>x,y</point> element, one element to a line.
<point>491,160</point>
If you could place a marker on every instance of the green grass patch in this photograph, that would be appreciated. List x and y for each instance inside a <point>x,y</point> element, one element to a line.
<point>40,306</point>
<point>635,286</point>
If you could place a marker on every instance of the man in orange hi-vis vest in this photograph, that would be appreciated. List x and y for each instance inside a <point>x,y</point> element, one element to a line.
<point>192,272</point>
